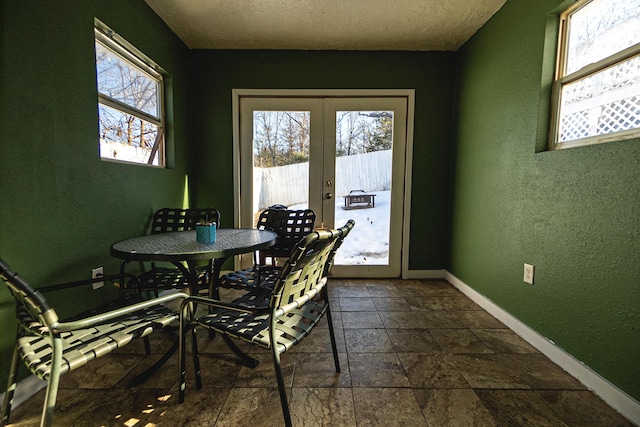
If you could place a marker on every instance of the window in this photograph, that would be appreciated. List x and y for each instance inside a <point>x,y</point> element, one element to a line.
<point>130,101</point>
<point>597,85</point>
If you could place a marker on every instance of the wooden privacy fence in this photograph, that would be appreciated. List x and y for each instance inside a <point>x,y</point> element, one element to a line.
<point>289,185</point>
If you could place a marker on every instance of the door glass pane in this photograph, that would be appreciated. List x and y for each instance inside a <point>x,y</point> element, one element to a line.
<point>363,184</point>
<point>339,155</point>
<point>280,159</point>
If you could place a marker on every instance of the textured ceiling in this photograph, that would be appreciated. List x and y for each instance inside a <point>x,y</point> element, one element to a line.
<point>325,24</point>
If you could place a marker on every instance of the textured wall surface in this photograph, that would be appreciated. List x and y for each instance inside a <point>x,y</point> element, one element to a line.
<point>62,207</point>
<point>574,214</point>
<point>326,25</point>
<point>429,73</point>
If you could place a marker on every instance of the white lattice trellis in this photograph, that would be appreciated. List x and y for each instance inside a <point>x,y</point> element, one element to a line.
<point>616,116</point>
<point>619,116</point>
<point>603,103</point>
<point>574,126</point>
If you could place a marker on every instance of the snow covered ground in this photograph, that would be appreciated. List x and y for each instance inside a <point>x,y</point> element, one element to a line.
<point>368,242</point>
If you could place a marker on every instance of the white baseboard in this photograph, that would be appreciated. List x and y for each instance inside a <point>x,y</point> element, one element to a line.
<point>613,396</point>
<point>424,274</point>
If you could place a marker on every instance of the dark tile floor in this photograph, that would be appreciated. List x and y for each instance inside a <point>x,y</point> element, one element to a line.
<point>412,352</point>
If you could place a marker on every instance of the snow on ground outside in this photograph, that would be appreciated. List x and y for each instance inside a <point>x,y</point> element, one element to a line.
<point>368,242</point>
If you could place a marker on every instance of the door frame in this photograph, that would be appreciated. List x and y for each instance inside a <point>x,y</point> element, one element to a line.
<point>409,94</point>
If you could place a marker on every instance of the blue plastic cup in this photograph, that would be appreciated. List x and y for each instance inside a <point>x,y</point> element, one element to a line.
<point>206,232</point>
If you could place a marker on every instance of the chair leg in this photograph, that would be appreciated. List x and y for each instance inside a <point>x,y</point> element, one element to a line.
<point>147,345</point>
<point>182,380</point>
<point>11,386</point>
<point>281,388</point>
<point>332,335</point>
<point>122,284</point>
<point>53,383</point>
<point>196,359</point>
<point>184,329</point>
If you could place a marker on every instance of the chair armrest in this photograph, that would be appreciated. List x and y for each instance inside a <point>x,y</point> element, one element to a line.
<point>68,285</point>
<point>225,305</point>
<point>300,301</point>
<point>104,317</point>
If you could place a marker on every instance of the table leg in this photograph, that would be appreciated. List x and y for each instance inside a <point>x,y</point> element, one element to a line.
<point>140,378</point>
<point>214,293</point>
<point>247,360</point>
<point>214,279</point>
<point>192,278</point>
<point>191,273</point>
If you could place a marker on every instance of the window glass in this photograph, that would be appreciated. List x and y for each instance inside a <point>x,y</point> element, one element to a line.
<point>125,82</point>
<point>125,137</point>
<point>605,102</point>
<point>130,111</point>
<point>597,94</point>
<point>600,29</point>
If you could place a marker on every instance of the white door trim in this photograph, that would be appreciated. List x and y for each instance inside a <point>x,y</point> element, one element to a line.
<point>409,94</point>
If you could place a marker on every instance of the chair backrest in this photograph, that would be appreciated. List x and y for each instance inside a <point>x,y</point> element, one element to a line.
<point>32,309</point>
<point>290,226</point>
<point>344,231</point>
<point>175,219</point>
<point>305,272</point>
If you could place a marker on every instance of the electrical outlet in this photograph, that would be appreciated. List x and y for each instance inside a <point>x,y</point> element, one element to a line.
<point>95,273</point>
<point>528,273</point>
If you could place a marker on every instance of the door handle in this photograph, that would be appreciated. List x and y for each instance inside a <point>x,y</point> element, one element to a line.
<point>328,196</point>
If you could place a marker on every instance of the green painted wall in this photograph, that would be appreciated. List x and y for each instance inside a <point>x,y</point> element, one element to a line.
<point>574,213</point>
<point>429,73</point>
<point>61,207</point>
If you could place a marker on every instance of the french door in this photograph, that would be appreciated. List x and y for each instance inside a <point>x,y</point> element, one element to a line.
<point>342,156</point>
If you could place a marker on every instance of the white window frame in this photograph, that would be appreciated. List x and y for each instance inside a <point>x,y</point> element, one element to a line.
<point>130,54</point>
<point>562,79</point>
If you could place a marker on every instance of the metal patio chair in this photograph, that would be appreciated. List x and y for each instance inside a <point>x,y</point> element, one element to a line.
<point>274,319</point>
<point>290,226</point>
<point>50,347</point>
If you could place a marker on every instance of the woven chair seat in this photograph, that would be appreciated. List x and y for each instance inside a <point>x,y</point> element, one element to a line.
<point>168,278</point>
<point>83,345</point>
<point>253,277</point>
<point>291,327</point>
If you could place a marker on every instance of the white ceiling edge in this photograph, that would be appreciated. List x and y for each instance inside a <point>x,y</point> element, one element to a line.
<point>414,25</point>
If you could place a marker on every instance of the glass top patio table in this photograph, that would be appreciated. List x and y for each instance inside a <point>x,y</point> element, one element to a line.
<point>182,246</point>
